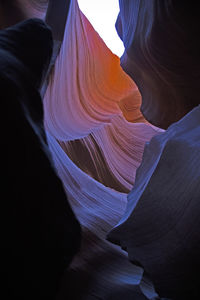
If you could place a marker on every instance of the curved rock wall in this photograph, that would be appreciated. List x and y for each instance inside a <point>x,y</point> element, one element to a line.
<point>96,134</point>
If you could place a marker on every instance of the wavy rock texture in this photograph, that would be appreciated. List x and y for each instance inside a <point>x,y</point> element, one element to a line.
<point>153,32</point>
<point>82,101</point>
<point>91,109</point>
<point>160,228</point>
<point>96,152</point>
<point>33,8</point>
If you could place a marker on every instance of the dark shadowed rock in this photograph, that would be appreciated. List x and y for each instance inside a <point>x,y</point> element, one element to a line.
<point>162,56</point>
<point>160,229</point>
<point>39,232</point>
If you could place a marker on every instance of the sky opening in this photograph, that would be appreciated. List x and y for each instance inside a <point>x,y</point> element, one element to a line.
<point>102,14</point>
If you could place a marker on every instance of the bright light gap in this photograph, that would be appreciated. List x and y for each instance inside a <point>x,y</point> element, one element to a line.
<point>102,14</point>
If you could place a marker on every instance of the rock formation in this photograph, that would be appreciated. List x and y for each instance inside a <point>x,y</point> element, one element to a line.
<point>162,56</point>
<point>39,232</point>
<point>160,229</point>
<point>96,151</point>
<point>97,135</point>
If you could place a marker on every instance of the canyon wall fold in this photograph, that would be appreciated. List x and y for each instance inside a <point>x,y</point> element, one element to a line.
<point>96,134</point>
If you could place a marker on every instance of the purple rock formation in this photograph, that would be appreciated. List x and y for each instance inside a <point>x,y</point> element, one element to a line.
<point>162,56</point>
<point>160,229</point>
<point>88,104</point>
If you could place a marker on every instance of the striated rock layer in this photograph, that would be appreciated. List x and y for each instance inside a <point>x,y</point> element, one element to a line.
<point>96,135</point>
<point>82,107</point>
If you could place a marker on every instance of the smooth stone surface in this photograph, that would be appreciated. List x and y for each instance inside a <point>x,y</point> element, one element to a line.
<point>160,228</point>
